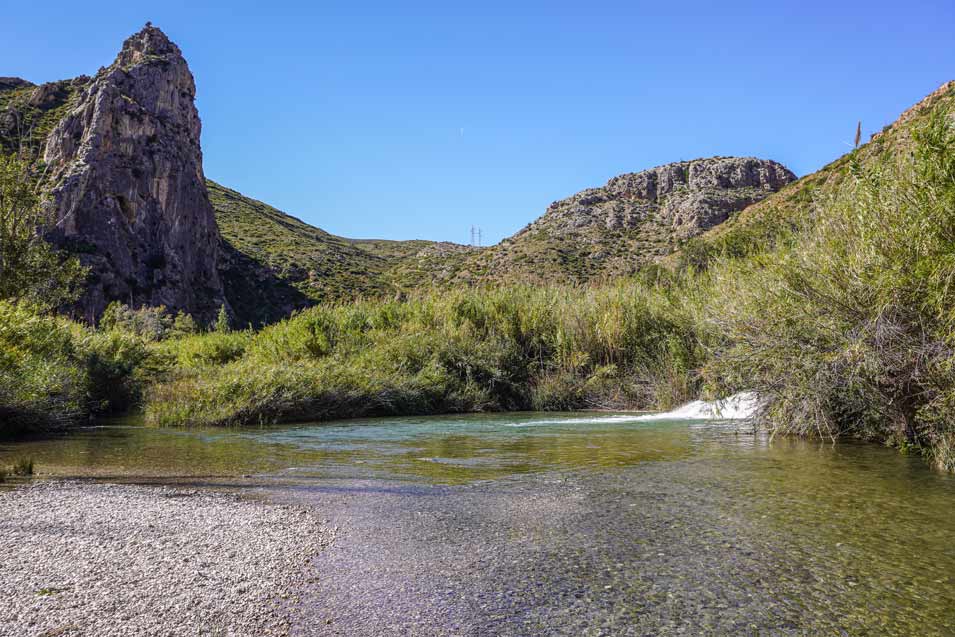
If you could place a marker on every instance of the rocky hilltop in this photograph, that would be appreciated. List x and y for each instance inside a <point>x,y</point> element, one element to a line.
<point>635,218</point>
<point>127,188</point>
<point>129,196</point>
<point>684,198</point>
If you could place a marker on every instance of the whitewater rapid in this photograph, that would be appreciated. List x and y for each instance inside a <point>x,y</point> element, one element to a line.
<point>737,407</point>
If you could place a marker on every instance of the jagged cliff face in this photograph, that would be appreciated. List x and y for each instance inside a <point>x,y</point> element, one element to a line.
<point>127,188</point>
<point>635,219</point>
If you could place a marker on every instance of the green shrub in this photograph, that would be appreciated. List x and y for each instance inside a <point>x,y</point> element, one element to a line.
<point>54,373</point>
<point>150,323</point>
<point>23,467</point>
<point>116,365</point>
<point>850,330</point>
<point>201,350</point>
<point>520,347</point>
<point>31,269</point>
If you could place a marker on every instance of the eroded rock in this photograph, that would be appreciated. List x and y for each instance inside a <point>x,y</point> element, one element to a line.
<point>689,197</point>
<point>127,187</point>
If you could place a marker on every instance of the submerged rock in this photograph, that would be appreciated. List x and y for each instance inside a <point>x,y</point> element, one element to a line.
<point>127,187</point>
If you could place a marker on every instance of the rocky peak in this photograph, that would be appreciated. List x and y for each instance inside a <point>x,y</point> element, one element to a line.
<point>145,46</point>
<point>687,196</point>
<point>634,219</point>
<point>127,187</point>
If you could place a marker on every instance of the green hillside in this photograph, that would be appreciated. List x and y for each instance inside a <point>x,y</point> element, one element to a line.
<point>271,254</point>
<point>28,113</point>
<point>616,229</point>
<point>760,225</point>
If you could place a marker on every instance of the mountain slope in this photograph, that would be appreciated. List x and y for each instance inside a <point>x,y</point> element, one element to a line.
<point>29,112</point>
<point>634,219</point>
<point>268,248</point>
<point>600,232</point>
<point>759,225</point>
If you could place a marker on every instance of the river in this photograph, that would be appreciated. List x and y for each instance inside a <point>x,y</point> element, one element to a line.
<point>593,524</point>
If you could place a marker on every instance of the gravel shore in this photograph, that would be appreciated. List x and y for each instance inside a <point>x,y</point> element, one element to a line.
<point>102,559</point>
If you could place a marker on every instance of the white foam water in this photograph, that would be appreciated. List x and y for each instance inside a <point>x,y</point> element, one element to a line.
<point>586,420</point>
<point>737,407</point>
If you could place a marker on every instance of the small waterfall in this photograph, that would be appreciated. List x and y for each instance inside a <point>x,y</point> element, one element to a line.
<point>737,407</point>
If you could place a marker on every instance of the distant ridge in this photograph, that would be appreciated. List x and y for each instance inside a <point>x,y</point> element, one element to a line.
<point>124,172</point>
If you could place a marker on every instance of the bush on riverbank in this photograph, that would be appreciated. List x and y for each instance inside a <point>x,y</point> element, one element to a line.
<point>851,330</point>
<point>521,347</point>
<point>54,372</point>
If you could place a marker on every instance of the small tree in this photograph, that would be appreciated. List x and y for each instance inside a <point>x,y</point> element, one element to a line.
<point>222,321</point>
<point>113,316</point>
<point>183,324</point>
<point>30,269</point>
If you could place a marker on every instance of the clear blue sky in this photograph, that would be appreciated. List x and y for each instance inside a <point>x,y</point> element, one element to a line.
<point>415,120</point>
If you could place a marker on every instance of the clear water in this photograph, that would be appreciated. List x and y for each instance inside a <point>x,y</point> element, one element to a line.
<point>858,535</point>
<point>464,448</point>
<point>445,449</point>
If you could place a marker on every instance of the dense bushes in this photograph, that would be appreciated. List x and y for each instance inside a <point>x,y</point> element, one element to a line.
<point>519,347</point>
<point>30,268</point>
<point>850,331</point>
<point>150,323</point>
<point>54,372</point>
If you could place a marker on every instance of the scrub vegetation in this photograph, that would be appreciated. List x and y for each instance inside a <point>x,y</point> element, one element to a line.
<point>466,350</point>
<point>848,329</point>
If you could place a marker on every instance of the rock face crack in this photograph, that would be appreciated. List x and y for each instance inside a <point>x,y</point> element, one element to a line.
<point>126,181</point>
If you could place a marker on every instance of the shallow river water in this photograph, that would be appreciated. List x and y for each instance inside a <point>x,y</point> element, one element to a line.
<point>529,524</point>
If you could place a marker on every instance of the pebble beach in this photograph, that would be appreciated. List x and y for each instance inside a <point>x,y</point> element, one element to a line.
<point>104,559</point>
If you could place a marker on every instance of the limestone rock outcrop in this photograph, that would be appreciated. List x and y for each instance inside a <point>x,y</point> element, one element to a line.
<point>687,197</point>
<point>126,184</point>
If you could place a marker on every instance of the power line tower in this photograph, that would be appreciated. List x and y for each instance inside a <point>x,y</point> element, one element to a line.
<point>479,237</point>
<point>475,236</point>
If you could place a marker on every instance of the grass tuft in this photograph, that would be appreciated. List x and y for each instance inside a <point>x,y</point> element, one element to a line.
<point>22,467</point>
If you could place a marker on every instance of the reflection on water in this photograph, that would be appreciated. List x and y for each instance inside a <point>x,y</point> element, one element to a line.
<point>447,449</point>
<point>460,449</point>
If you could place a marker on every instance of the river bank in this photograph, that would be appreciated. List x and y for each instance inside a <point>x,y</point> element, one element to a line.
<point>104,559</point>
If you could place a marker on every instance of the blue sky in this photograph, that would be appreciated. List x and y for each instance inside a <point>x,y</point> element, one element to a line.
<point>416,120</point>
